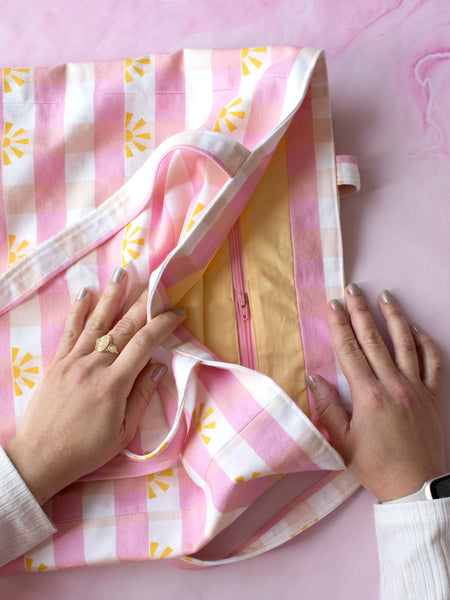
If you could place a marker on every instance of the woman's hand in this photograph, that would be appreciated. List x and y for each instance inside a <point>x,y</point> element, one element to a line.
<point>394,441</point>
<point>88,406</point>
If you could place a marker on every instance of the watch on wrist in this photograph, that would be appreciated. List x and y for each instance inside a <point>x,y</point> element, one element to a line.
<point>439,487</point>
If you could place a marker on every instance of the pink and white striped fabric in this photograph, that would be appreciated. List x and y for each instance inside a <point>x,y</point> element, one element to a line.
<point>210,175</point>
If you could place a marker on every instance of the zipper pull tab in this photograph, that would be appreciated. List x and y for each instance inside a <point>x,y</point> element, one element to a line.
<point>243,305</point>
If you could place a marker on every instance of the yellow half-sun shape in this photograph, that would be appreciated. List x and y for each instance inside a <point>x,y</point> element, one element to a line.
<point>155,479</point>
<point>135,135</point>
<point>190,559</point>
<point>250,59</point>
<point>197,210</point>
<point>164,554</point>
<point>16,250</point>
<point>255,475</point>
<point>130,239</point>
<point>201,422</point>
<point>10,141</point>
<point>29,565</point>
<point>11,77</point>
<point>228,116</point>
<point>135,65</point>
<point>22,371</point>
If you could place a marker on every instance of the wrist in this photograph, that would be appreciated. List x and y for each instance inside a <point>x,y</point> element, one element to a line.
<point>403,479</point>
<point>432,489</point>
<point>30,468</point>
<point>401,489</point>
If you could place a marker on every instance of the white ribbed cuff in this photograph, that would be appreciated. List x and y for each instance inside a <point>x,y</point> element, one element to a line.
<point>23,523</point>
<point>414,549</point>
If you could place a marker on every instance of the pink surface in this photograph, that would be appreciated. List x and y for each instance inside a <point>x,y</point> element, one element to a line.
<point>389,69</point>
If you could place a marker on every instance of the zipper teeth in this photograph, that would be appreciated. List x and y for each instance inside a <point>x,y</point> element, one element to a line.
<point>242,305</point>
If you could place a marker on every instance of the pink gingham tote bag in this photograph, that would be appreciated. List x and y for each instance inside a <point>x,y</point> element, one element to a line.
<point>183,168</point>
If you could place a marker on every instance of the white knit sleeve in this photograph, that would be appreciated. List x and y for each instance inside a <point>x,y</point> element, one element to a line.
<point>414,549</point>
<point>23,524</point>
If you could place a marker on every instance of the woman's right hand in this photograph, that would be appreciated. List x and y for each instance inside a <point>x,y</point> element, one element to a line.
<point>394,440</point>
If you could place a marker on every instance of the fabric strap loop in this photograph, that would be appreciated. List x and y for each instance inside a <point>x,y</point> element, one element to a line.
<point>69,245</point>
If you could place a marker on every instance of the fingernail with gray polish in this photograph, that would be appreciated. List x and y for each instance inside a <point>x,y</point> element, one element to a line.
<point>387,297</point>
<point>336,305</point>
<point>354,290</point>
<point>117,275</point>
<point>180,310</point>
<point>82,293</point>
<point>158,373</point>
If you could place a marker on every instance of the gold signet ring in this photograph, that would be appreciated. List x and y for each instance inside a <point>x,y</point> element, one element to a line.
<point>104,344</point>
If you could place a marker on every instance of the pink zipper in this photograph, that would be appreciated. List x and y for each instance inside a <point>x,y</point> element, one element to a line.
<point>246,340</point>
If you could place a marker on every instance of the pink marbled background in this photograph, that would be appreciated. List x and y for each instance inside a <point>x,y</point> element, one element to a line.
<point>389,69</point>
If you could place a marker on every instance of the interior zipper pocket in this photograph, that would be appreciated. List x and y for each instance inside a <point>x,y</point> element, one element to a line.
<point>246,340</point>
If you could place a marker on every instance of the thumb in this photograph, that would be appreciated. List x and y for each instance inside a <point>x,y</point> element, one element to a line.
<point>331,411</point>
<point>141,394</point>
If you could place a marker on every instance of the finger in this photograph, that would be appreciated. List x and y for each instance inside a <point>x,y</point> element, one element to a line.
<point>74,324</point>
<point>405,352</point>
<point>349,354</point>
<point>139,399</point>
<point>134,292</point>
<point>367,334</point>
<point>133,320</point>
<point>431,361</point>
<point>331,412</point>
<point>104,314</point>
<point>139,350</point>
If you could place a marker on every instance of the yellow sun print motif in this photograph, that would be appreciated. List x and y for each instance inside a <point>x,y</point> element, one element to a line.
<point>22,371</point>
<point>10,142</point>
<point>229,116</point>
<point>155,479</point>
<point>256,475</point>
<point>129,240</point>
<point>305,527</point>
<point>135,66</point>
<point>135,135</point>
<point>29,565</point>
<point>190,560</point>
<point>250,59</point>
<point>17,250</point>
<point>11,77</point>
<point>197,210</point>
<point>202,422</point>
<point>164,554</point>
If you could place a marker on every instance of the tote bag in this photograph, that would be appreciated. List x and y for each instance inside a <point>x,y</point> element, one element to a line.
<point>211,176</point>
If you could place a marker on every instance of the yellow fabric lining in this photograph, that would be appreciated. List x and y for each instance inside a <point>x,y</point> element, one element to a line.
<point>269,270</point>
<point>210,308</point>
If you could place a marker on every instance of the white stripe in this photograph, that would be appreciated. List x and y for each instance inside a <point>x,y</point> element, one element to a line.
<point>198,79</point>
<point>298,79</point>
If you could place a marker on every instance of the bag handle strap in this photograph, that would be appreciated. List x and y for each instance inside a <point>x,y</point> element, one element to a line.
<point>66,247</point>
<point>293,519</point>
